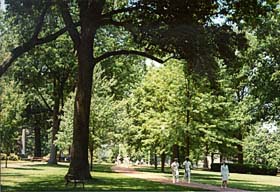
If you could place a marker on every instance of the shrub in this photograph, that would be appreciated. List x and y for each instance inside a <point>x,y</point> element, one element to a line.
<point>3,156</point>
<point>246,168</point>
<point>13,157</point>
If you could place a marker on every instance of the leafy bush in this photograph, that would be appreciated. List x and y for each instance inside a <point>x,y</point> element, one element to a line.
<point>246,168</point>
<point>13,157</point>
<point>3,156</point>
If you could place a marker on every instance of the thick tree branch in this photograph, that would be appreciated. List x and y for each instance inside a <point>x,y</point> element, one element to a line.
<point>18,51</point>
<point>121,10</point>
<point>14,54</point>
<point>54,36</point>
<point>42,97</point>
<point>127,52</point>
<point>110,21</point>
<point>74,34</point>
<point>40,21</point>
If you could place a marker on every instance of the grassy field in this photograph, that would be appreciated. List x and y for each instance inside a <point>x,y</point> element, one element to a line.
<point>239,181</point>
<point>51,178</point>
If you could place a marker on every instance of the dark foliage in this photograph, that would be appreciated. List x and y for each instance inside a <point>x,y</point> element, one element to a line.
<point>246,168</point>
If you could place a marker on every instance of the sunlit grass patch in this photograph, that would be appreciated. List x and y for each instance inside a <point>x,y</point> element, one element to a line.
<point>236,180</point>
<point>51,178</point>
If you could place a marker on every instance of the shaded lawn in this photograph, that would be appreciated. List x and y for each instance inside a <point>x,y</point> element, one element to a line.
<point>51,178</point>
<point>236,180</point>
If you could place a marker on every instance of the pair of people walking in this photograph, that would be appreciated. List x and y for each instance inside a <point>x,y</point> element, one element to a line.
<point>175,170</point>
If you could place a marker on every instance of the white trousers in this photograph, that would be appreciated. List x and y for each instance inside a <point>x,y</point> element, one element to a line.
<point>175,175</point>
<point>188,175</point>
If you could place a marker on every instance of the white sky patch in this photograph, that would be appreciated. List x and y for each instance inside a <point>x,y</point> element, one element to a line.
<point>271,126</point>
<point>152,63</point>
<point>2,5</point>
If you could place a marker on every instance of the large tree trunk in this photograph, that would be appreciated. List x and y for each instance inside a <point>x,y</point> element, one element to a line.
<point>37,138</point>
<point>79,165</point>
<point>163,156</point>
<point>53,152</point>
<point>240,149</point>
<point>175,151</point>
<point>91,156</point>
<point>187,144</point>
<point>205,161</point>
<point>187,75</point>
<point>187,133</point>
<point>155,155</point>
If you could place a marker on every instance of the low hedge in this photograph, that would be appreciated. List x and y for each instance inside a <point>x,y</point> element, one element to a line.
<point>246,168</point>
<point>11,157</point>
<point>3,156</point>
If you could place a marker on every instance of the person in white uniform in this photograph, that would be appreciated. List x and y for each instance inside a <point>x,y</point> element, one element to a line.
<point>175,170</point>
<point>187,165</point>
<point>224,174</point>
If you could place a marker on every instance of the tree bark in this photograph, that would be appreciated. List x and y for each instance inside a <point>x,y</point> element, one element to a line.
<point>79,165</point>
<point>53,152</point>
<point>37,150</point>
<point>240,148</point>
<point>175,151</point>
<point>212,158</point>
<point>155,155</point>
<point>163,156</point>
<point>91,156</point>
<point>205,161</point>
<point>240,154</point>
<point>187,75</point>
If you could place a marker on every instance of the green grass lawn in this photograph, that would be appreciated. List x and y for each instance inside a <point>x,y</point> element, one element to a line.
<point>51,178</point>
<point>239,181</point>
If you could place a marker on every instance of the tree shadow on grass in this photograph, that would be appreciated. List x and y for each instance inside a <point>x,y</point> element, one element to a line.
<point>213,179</point>
<point>27,168</point>
<point>104,179</point>
<point>11,174</point>
<point>49,165</point>
<point>102,168</point>
<point>96,184</point>
<point>133,184</point>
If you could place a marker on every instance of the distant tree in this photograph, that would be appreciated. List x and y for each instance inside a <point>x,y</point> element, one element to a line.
<point>264,75</point>
<point>262,147</point>
<point>50,73</point>
<point>12,104</point>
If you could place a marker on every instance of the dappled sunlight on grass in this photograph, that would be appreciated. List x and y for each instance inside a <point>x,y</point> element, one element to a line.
<point>51,178</point>
<point>239,181</point>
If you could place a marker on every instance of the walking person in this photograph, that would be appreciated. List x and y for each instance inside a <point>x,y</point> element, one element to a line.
<point>224,174</point>
<point>187,165</point>
<point>175,170</point>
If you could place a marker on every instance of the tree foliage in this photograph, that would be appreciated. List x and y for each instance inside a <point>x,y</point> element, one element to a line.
<point>12,105</point>
<point>184,29</point>
<point>262,147</point>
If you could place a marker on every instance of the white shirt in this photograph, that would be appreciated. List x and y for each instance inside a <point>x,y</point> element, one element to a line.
<point>187,165</point>
<point>224,172</point>
<point>175,166</point>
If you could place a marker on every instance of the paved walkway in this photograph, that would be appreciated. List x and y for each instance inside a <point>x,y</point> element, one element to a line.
<point>128,171</point>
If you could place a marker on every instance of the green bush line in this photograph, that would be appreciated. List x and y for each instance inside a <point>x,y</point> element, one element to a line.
<point>246,168</point>
<point>11,157</point>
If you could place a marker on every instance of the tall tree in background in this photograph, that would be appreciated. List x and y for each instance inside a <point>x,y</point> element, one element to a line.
<point>12,104</point>
<point>183,28</point>
<point>50,73</point>
<point>264,61</point>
